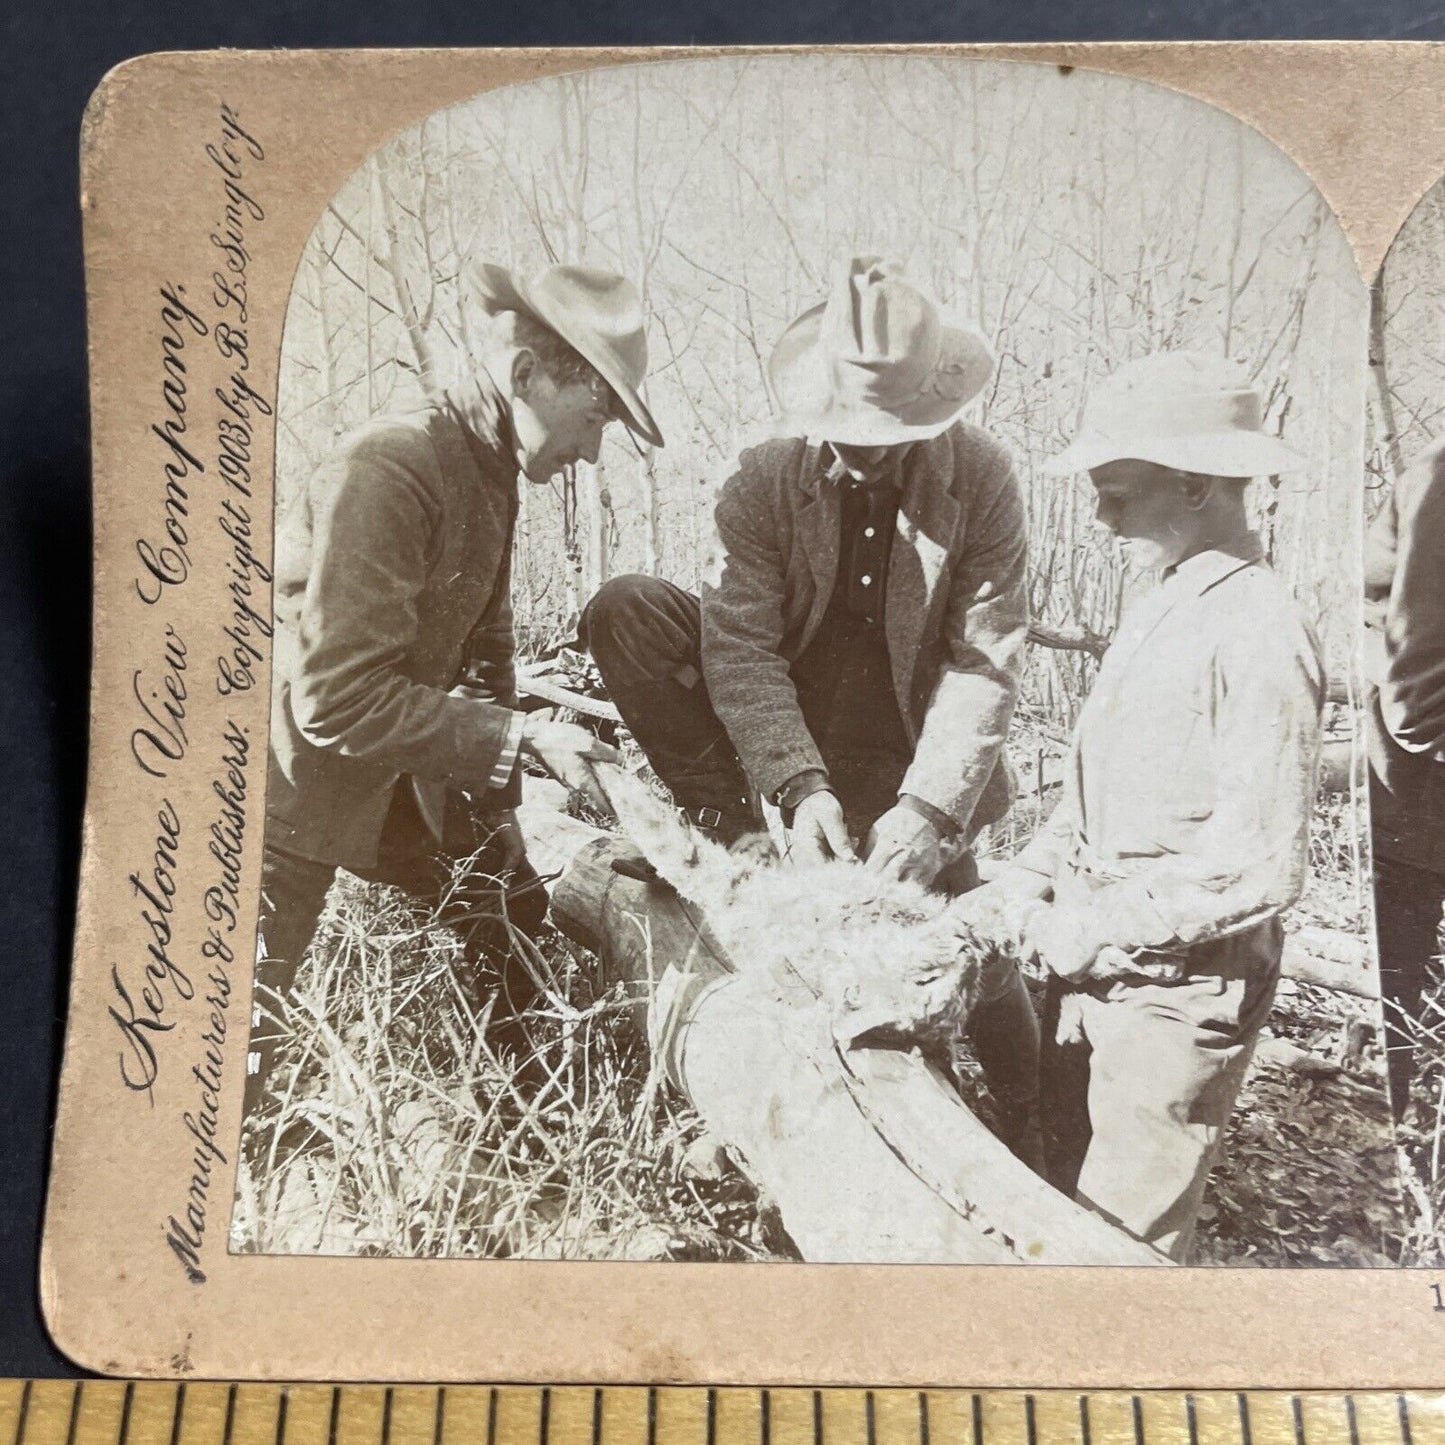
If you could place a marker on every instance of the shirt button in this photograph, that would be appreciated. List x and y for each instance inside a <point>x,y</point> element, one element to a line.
<point>866,580</point>
<point>867,531</point>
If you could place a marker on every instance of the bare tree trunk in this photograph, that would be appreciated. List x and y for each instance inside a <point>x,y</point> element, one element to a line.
<point>574,579</point>
<point>1379,373</point>
<point>328,356</point>
<point>367,291</point>
<point>412,318</point>
<point>1231,295</point>
<point>651,519</point>
<point>602,529</point>
<point>459,257</point>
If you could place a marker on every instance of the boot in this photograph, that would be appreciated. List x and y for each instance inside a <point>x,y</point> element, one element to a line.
<point>1004,1034</point>
<point>1019,1127</point>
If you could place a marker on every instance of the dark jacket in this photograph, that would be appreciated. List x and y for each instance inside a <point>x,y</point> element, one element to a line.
<point>392,584</point>
<point>1405,618</point>
<point>955,612</point>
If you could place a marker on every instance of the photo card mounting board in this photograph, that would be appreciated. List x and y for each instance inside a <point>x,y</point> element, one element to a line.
<point>282,248</point>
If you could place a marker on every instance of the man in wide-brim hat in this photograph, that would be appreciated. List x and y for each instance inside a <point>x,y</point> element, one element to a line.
<point>394,728</point>
<point>857,660</point>
<point>1183,831</point>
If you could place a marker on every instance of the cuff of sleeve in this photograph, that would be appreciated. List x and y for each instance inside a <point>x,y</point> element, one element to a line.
<point>1128,915</point>
<point>772,769</point>
<point>507,758</point>
<point>947,828</point>
<point>799,786</point>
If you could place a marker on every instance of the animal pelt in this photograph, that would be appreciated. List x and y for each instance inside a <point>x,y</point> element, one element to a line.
<point>890,961</point>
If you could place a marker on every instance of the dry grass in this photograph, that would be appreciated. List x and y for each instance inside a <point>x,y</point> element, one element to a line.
<point>1422,1132</point>
<point>399,1130</point>
<point>1309,1173</point>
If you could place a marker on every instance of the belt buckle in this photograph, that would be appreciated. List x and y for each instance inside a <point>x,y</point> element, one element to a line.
<point>710,818</point>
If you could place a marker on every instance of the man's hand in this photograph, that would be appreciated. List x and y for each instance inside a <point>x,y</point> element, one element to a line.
<point>568,753</point>
<point>903,844</point>
<point>999,912</point>
<point>504,840</point>
<point>819,832</point>
<point>1065,944</point>
<point>1062,942</point>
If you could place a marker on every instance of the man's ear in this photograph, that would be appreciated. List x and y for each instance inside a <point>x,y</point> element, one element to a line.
<point>525,369</point>
<point>1196,490</point>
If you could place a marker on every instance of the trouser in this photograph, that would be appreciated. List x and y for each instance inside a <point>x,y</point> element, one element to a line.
<point>486,907</point>
<point>1138,1081</point>
<point>1408,903</point>
<point>645,636</point>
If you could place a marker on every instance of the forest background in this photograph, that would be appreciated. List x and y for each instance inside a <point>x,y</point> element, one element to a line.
<point>1077,220</point>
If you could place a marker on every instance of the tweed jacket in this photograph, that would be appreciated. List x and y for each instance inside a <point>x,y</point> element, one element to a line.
<point>955,610</point>
<point>1184,823</point>
<point>392,584</point>
<point>1405,647</point>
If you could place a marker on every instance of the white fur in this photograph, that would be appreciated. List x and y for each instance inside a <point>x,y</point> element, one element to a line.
<point>887,958</point>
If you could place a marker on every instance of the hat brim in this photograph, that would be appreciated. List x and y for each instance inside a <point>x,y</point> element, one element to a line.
<point>964,367</point>
<point>1240,454</point>
<point>499,290</point>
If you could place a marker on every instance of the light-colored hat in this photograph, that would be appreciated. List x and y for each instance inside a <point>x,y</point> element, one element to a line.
<point>597,313</point>
<point>1181,410</point>
<point>874,365</point>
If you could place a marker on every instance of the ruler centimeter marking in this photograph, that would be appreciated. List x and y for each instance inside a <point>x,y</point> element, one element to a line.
<point>115,1412</point>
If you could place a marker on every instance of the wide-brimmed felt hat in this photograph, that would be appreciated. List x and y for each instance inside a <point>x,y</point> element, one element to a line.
<point>597,313</point>
<point>874,365</point>
<point>1181,410</point>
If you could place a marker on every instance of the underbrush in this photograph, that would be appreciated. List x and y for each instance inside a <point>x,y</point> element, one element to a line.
<point>1309,1170</point>
<point>410,1120</point>
<point>1422,1131</point>
<point>399,1129</point>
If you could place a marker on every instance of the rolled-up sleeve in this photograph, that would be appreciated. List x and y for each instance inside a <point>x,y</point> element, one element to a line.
<point>986,632</point>
<point>373,514</point>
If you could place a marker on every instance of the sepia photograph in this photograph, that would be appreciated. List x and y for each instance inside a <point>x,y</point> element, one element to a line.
<point>819,702</point>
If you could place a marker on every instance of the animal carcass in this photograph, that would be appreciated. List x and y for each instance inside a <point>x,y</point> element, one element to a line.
<point>785,1005</point>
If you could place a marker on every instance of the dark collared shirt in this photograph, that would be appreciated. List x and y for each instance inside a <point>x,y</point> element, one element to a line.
<point>869,520</point>
<point>844,678</point>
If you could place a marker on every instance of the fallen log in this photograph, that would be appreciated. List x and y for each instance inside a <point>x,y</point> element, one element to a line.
<point>547,689</point>
<point>1329,958</point>
<point>1342,767</point>
<point>869,1154</point>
